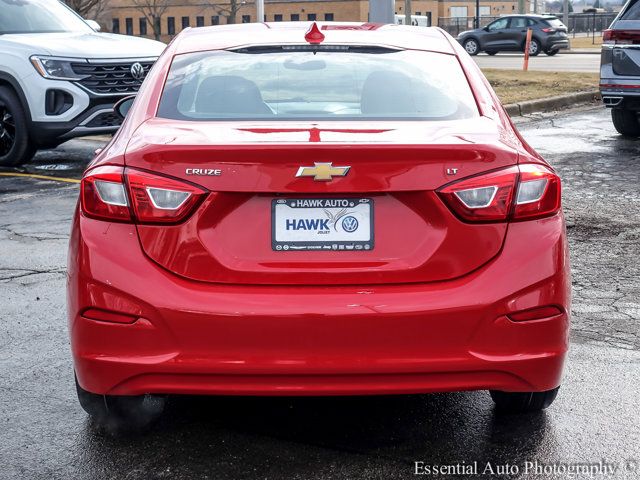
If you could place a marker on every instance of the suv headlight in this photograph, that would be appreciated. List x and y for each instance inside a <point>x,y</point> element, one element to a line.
<point>56,68</point>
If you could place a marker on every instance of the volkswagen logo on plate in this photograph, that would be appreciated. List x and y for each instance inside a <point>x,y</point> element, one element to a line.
<point>349,224</point>
<point>137,71</point>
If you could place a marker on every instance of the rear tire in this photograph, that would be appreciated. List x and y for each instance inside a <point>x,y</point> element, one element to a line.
<point>471,46</point>
<point>15,146</point>
<point>626,122</point>
<point>522,402</point>
<point>534,48</point>
<point>491,52</point>
<point>551,53</point>
<point>121,412</point>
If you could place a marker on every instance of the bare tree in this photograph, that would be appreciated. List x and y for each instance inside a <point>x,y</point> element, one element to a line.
<point>88,8</point>
<point>229,9</point>
<point>152,11</point>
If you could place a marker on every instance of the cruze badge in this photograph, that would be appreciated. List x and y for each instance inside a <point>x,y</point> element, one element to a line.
<point>322,171</point>
<point>211,172</point>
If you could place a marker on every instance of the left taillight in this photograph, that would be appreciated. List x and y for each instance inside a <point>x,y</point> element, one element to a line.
<point>128,195</point>
<point>621,37</point>
<point>515,193</point>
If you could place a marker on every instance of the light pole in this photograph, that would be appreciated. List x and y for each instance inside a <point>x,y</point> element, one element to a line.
<point>382,11</point>
<point>407,12</point>
<point>260,10</point>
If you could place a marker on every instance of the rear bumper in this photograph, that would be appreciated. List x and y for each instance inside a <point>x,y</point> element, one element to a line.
<point>619,90</point>
<point>195,338</point>
<point>560,43</point>
<point>620,93</point>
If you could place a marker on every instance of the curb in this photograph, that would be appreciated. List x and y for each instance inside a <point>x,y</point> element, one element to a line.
<point>552,103</point>
<point>582,51</point>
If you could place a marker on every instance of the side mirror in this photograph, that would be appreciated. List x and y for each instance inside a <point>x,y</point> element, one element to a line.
<point>123,106</point>
<point>93,24</point>
<point>486,29</point>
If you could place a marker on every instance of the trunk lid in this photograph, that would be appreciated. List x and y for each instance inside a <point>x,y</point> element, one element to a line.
<point>251,168</point>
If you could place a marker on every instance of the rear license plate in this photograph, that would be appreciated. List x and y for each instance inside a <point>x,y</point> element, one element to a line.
<point>343,224</point>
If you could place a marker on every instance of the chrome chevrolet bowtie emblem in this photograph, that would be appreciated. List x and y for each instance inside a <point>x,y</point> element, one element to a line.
<point>322,171</point>
<point>137,71</point>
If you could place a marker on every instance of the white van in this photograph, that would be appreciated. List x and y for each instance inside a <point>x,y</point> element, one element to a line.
<point>416,20</point>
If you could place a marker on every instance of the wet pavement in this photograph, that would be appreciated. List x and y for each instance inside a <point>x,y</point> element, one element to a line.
<point>595,419</point>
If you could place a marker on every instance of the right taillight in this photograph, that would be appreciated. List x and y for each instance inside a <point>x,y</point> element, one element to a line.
<point>515,193</point>
<point>128,195</point>
<point>539,193</point>
<point>621,37</point>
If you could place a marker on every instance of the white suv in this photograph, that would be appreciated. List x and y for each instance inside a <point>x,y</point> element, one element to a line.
<point>59,78</point>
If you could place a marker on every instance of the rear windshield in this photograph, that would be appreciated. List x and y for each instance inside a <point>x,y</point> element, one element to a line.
<point>632,12</point>
<point>307,83</point>
<point>554,22</point>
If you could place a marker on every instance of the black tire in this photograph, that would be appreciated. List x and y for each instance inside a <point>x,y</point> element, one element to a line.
<point>522,402</point>
<point>534,48</point>
<point>121,412</point>
<point>626,122</point>
<point>15,146</point>
<point>492,52</point>
<point>472,46</point>
<point>551,53</point>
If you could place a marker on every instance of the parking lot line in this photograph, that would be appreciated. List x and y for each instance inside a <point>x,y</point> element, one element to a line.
<point>39,177</point>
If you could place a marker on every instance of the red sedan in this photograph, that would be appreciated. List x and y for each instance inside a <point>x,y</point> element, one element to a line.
<point>316,209</point>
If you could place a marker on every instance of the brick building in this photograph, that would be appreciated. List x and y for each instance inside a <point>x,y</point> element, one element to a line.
<point>124,17</point>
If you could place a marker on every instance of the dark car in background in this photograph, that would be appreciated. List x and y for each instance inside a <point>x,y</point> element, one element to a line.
<point>620,69</point>
<point>509,33</point>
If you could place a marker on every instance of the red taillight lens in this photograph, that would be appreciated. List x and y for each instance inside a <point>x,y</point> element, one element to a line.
<point>160,199</point>
<point>549,30</point>
<point>515,193</point>
<point>539,193</point>
<point>103,194</point>
<point>118,194</point>
<point>485,198</point>
<point>621,37</point>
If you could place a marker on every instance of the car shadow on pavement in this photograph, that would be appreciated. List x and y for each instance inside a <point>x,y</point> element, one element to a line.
<point>301,436</point>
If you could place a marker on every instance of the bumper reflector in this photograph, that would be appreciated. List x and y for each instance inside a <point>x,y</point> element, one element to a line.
<point>105,316</point>
<point>536,313</point>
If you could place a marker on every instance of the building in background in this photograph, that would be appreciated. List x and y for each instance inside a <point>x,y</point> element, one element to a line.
<point>165,18</point>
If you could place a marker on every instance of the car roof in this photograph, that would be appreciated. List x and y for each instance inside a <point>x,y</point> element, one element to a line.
<point>222,37</point>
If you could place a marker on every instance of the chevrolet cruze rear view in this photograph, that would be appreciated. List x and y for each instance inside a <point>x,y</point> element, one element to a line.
<point>316,209</point>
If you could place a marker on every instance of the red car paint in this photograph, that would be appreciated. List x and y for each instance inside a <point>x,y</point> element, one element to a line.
<point>201,304</point>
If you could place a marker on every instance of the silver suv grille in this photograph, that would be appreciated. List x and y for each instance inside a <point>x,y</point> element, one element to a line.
<point>110,78</point>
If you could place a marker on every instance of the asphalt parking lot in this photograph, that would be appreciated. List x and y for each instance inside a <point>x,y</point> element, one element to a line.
<point>44,434</point>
